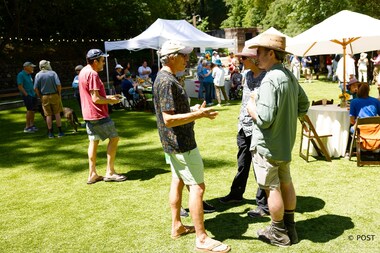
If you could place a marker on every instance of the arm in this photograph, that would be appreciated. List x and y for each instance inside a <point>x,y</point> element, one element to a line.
<point>20,87</point>
<point>59,89</point>
<point>352,120</point>
<point>97,99</point>
<point>172,120</point>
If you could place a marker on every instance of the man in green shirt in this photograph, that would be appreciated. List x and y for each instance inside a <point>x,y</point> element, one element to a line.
<point>275,107</point>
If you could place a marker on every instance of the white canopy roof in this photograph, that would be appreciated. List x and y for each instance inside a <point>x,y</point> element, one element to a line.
<point>162,30</point>
<point>271,30</point>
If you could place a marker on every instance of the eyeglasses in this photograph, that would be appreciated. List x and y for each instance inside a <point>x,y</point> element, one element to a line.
<point>244,58</point>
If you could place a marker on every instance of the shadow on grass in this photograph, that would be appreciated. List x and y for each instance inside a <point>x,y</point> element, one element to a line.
<point>144,174</point>
<point>309,204</point>
<point>323,228</point>
<point>232,225</point>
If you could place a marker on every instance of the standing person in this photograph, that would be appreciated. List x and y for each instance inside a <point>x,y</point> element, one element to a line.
<point>200,67</point>
<point>25,86</point>
<point>376,67</point>
<point>75,84</point>
<point>362,67</point>
<point>296,66</point>
<point>350,70</point>
<point>335,67</point>
<point>208,83</point>
<point>306,68</point>
<point>48,88</point>
<point>329,67</point>
<point>252,81</point>
<point>275,109</point>
<point>175,122</point>
<point>95,112</point>
<point>117,77</point>
<point>144,71</point>
<point>218,75</point>
<point>215,56</point>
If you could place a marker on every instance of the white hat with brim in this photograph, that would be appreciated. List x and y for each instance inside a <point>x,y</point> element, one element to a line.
<point>118,66</point>
<point>271,41</point>
<point>172,47</point>
<point>251,53</point>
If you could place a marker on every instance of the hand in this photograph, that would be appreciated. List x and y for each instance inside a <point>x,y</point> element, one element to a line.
<point>207,112</point>
<point>114,98</point>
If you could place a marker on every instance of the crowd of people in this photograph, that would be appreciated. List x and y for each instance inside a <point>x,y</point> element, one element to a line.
<point>272,101</point>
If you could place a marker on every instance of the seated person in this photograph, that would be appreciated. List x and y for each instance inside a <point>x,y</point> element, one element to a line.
<point>236,79</point>
<point>364,105</point>
<point>352,88</point>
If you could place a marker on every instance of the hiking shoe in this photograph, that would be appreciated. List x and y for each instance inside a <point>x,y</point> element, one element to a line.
<point>292,233</point>
<point>50,135</point>
<point>60,134</point>
<point>183,212</point>
<point>275,236</point>
<point>28,130</point>
<point>34,128</point>
<point>230,199</point>
<point>207,208</point>
<point>257,213</point>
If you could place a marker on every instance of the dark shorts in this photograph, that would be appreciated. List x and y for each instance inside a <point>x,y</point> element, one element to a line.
<point>101,129</point>
<point>30,103</point>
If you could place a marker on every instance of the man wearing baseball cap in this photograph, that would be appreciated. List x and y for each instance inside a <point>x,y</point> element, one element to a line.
<point>95,112</point>
<point>25,86</point>
<point>275,108</point>
<point>252,81</point>
<point>175,122</point>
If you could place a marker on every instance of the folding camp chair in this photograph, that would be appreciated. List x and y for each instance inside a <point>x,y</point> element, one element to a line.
<point>309,132</point>
<point>366,136</point>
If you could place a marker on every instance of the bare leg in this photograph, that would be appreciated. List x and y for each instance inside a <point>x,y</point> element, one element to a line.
<point>111,155</point>
<point>29,119</point>
<point>92,148</point>
<point>275,204</point>
<point>289,196</point>
<point>49,122</point>
<point>196,210</point>
<point>175,199</point>
<point>58,119</point>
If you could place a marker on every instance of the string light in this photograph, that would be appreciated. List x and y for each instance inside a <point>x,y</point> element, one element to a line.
<point>59,40</point>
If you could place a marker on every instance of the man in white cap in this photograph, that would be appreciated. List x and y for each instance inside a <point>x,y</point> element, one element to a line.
<point>95,112</point>
<point>275,108</point>
<point>252,81</point>
<point>175,122</point>
<point>48,88</point>
<point>25,86</point>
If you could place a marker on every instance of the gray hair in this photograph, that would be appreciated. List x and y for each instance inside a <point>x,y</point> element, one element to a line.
<point>165,59</point>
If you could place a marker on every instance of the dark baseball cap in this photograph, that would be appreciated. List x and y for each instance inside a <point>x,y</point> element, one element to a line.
<point>94,54</point>
<point>28,63</point>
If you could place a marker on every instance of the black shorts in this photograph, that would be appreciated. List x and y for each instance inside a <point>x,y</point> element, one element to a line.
<point>30,103</point>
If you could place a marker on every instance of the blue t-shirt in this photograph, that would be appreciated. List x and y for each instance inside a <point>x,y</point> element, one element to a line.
<point>26,81</point>
<point>364,107</point>
<point>207,79</point>
<point>47,81</point>
<point>75,83</point>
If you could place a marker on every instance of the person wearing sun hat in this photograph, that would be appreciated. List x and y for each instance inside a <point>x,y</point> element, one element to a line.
<point>252,81</point>
<point>218,74</point>
<point>175,123</point>
<point>99,125</point>
<point>275,109</point>
<point>363,67</point>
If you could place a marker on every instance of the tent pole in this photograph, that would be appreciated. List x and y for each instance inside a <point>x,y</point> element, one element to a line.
<point>108,78</point>
<point>344,66</point>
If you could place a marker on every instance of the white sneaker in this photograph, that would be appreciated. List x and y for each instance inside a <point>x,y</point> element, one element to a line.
<point>219,105</point>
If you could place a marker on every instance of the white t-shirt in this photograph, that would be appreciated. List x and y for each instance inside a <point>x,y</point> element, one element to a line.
<point>218,75</point>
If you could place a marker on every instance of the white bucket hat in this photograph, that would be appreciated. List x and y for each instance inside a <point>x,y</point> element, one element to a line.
<point>172,46</point>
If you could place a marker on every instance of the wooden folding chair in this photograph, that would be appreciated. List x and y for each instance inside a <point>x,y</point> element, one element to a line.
<point>309,132</point>
<point>366,136</point>
<point>319,102</point>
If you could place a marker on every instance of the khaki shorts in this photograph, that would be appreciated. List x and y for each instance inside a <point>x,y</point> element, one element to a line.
<point>51,104</point>
<point>306,71</point>
<point>269,173</point>
<point>187,166</point>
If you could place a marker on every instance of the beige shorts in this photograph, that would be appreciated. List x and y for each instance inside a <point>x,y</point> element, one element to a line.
<point>306,71</point>
<point>269,173</point>
<point>51,104</point>
<point>187,166</point>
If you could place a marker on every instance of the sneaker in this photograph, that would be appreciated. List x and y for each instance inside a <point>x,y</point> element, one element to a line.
<point>60,134</point>
<point>210,104</point>
<point>183,212</point>
<point>257,213</point>
<point>218,105</point>
<point>28,130</point>
<point>207,208</point>
<point>230,199</point>
<point>292,232</point>
<point>50,135</point>
<point>34,128</point>
<point>274,236</point>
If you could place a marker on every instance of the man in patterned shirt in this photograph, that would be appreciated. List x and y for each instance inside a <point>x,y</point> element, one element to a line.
<point>175,122</point>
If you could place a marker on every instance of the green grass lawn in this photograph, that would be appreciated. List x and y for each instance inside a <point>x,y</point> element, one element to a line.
<point>46,205</point>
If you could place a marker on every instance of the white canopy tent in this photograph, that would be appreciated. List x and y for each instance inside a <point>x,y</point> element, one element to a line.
<point>162,30</point>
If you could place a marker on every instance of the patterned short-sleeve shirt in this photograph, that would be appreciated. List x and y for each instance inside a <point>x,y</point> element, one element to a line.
<point>169,95</point>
